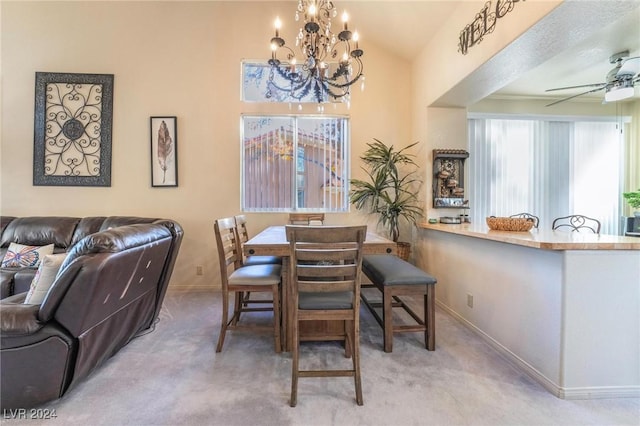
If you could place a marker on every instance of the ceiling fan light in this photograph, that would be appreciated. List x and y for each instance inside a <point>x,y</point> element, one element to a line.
<point>618,94</point>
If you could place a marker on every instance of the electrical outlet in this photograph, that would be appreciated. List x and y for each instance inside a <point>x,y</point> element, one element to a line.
<point>199,270</point>
<point>470,300</point>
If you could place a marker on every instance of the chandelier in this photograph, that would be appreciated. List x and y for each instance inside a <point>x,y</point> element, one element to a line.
<point>331,64</point>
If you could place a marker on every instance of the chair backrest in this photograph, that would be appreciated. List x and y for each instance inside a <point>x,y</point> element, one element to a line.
<point>576,223</point>
<point>306,218</point>
<point>326,259</point>
<point>529,216</point>
<point>229,253</point>
<point>241,226</point>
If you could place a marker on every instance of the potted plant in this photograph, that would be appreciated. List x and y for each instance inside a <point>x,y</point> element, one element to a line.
<point>633,199</point>
<point>390,191</point>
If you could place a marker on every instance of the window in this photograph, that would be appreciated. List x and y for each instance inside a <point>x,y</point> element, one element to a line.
<point>259,84</point>
<point>295,163</point>
<point>546,168</point>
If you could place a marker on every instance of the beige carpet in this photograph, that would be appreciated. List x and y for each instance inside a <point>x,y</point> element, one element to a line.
<point>173,376</point>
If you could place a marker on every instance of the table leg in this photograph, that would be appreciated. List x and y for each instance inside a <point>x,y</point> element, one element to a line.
<point>287,312</point>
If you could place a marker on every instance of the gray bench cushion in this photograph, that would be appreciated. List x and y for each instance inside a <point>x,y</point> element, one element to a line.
<point>384,269</point>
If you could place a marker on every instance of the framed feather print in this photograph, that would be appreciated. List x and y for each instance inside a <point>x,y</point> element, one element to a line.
<point>164,151</point>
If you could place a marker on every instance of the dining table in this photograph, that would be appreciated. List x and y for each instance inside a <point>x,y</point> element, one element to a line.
<point>272,241</point>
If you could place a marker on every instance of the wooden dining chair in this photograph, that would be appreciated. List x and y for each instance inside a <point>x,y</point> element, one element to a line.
<point>576,223</point>
<point>532,218</point>
<point>243,237</point>
<point>243,233</point>
<point>306,218</point>
<point>239,280</point>
<point>326,265</point>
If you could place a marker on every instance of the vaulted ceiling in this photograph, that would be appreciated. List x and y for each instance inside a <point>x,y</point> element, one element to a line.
<point>406,26</point>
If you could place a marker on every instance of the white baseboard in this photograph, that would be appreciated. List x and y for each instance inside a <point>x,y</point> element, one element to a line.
<point>600,392</point>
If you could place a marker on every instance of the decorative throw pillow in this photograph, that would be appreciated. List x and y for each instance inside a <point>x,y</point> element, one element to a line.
<point>44,278</point>
<point>20,255</point>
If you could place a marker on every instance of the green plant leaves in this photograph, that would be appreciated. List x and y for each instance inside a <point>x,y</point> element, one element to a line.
<point>387,193</point>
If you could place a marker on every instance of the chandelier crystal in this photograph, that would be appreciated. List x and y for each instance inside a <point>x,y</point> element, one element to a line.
<point>331,63</point>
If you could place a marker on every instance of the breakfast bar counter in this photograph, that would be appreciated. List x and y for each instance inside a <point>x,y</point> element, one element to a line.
<point>548,240</point>
<point>564,307</point>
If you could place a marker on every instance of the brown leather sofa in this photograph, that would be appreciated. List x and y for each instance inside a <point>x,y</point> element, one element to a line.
<point>110,288</point>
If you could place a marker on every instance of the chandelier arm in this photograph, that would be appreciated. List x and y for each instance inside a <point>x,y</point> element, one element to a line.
<point>318,43</point>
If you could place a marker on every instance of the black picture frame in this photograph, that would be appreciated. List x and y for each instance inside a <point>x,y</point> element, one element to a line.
<point>72,129</point>
<point>164,150</point>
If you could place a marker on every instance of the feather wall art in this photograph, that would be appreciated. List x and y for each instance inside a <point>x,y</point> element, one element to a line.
<point>165,148</point>
<point>164,153</point>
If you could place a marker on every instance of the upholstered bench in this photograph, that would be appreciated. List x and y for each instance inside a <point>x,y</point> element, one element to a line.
<point>395,277</point>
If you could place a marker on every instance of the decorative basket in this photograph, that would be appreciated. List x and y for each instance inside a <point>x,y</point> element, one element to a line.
<point>509,224</point>
<point>404,250</point>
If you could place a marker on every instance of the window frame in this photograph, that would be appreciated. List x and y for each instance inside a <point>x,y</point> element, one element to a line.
<point>295,193</point>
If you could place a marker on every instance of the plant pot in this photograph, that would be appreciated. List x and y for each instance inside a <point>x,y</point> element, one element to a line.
<point>404,250</point>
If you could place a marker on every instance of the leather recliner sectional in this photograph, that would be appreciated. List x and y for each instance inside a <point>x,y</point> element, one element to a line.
<point>109,288</point>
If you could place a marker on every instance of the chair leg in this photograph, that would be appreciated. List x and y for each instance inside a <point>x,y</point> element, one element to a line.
<point>225,316</point>
<point>348,347</point>
<point>430,319</point>
<point>294,365</point>
<point>276,317</point>
<point>356,361</point>
<point>237,307</point>
<point>387,319</point>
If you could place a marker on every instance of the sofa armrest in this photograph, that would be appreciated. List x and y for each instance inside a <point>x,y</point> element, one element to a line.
<point>16,318</point>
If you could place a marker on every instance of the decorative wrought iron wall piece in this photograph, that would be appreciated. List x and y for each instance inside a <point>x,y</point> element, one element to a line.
<point>72,138</point>
<point>484,23</point>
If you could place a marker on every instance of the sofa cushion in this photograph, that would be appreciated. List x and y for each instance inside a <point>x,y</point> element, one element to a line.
<point>22,255</point>
<point>44,278</point>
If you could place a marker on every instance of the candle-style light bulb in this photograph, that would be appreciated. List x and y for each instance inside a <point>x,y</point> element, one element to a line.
<point>312,11</point>
<point>355,38</point>
<point>278,25</point>
<point>345,19</point>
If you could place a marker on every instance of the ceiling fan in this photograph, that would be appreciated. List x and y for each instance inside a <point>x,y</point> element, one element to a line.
<point>619,82</point>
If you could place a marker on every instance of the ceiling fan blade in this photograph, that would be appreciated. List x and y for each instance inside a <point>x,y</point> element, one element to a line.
<point>630,66</point>
<point>577,87</point>
<point>575,96</point>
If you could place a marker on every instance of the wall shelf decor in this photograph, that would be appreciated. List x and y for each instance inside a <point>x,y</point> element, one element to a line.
<point>72,133</point>
<point>448,178</point>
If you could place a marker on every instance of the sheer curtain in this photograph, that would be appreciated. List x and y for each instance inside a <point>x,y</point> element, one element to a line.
<point>546,168</point>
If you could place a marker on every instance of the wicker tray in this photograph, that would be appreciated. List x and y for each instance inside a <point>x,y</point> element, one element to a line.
<point>509,224</point>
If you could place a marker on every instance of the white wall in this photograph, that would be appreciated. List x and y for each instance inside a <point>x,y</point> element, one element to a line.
<point>169,58</point>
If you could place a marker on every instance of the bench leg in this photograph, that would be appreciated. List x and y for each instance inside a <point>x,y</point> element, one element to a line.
<point>430,319</point>
<point>387,319</point>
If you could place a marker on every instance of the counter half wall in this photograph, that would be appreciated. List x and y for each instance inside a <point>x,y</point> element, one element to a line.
<point>564,307</point>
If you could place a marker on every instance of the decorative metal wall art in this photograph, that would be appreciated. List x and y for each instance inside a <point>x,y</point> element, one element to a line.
<point>164,151</point>
<point>72,137</point>
<point>448,179</point>
<point>484,23</point>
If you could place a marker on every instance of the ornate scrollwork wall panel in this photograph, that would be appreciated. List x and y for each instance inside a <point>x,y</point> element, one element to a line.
<point>73,118</point>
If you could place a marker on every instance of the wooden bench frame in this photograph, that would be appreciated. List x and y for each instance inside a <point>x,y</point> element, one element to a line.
<point>391,299</point>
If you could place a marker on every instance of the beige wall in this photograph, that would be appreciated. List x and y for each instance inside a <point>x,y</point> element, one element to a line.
<point>168,58</point>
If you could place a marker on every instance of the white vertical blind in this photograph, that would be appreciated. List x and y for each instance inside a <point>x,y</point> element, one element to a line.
<point>295,163</point>
<point>546,168</point>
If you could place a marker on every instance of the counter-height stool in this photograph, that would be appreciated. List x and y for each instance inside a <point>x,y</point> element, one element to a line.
<point>239,280</point>
<point>326,264</point>
<point>576,223</point>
